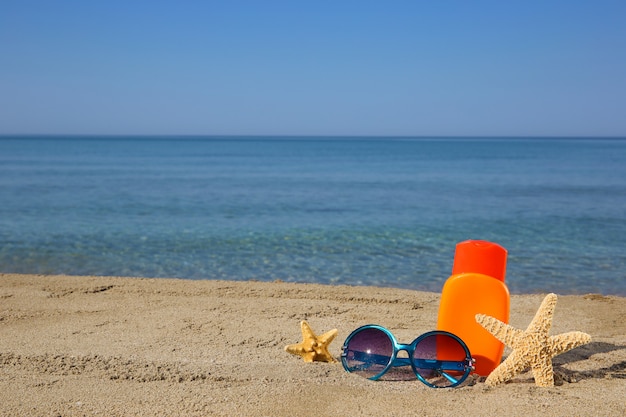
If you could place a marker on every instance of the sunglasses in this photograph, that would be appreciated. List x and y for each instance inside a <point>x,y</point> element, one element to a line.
<point>439,359</point>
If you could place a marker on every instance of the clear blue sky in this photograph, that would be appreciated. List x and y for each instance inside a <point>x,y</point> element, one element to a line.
<point>313,67</point>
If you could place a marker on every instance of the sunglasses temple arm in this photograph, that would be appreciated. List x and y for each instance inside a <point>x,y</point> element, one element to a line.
<point>402,362</point>
<point>441,365</point>
<point>448,377</point>
<point>372,358</point>
<point>419,363</point>
<point>380,359</point>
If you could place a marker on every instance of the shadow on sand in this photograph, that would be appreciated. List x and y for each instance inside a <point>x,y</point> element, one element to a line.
<point>562,374</point>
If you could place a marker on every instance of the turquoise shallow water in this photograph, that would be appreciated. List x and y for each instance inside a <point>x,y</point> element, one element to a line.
<point>362,211</point>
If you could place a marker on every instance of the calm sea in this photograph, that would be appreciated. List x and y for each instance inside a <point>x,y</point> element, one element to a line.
<point>359,211</point>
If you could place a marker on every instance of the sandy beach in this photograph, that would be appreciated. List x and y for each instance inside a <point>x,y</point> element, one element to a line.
<point>83,346</point>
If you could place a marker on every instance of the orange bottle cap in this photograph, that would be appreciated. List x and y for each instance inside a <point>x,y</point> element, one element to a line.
<point>480,256</point>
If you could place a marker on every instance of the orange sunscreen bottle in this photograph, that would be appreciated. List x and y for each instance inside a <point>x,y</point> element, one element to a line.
<point>476,287</point>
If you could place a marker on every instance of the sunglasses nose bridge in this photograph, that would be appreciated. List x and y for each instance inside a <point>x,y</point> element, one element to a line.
<point>404,348</point>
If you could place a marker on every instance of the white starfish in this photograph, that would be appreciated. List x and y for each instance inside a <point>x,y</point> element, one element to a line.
<point>532,348</point>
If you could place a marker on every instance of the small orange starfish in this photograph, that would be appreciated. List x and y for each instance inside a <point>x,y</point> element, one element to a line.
<point>532,348</point>
<point>313,347</point>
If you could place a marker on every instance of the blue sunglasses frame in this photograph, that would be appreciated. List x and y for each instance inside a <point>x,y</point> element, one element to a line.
<point>466,366</point>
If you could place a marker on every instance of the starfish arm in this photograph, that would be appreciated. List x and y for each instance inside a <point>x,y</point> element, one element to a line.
<point>567,341</point>
<point>511,366</point>
<point>542,321</point>
<point>307,355</point>
<point>321,349</point>
<point>307,332</point>
<point>542,370</point>
<point>323,355</point>
<point>327,337</point>
<point>501,331</point>
<point>295,349</point>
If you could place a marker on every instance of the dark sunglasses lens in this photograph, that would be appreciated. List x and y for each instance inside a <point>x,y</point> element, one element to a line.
<point>368,352</point>
<point>441,360</point>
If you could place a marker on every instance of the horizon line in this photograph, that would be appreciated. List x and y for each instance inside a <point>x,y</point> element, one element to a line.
<point>299,136</point>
